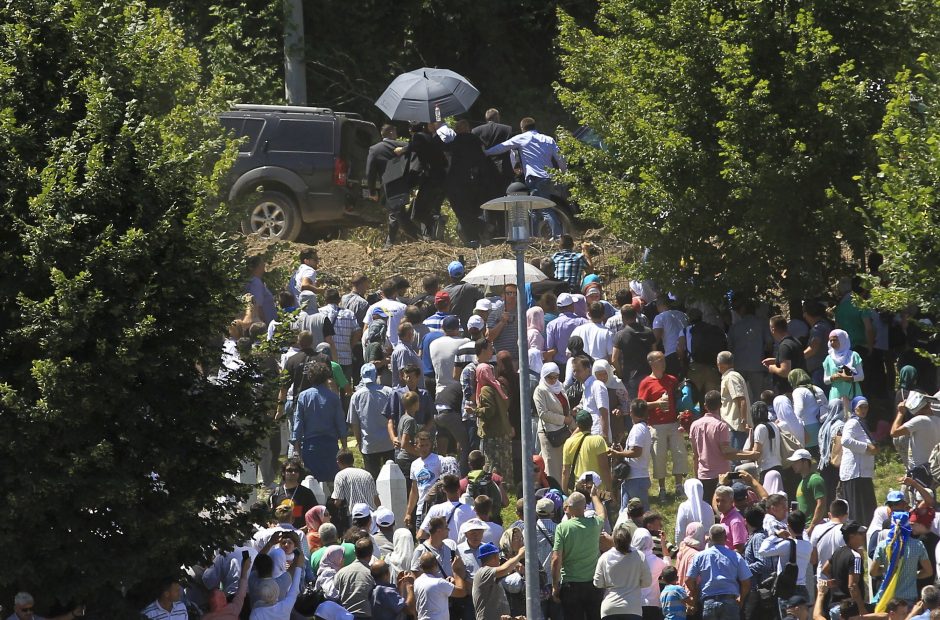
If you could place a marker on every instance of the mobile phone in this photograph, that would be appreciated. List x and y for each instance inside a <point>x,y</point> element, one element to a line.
<point>461,260</point>
<point>794,506</point>
<point>245,555</point>
<point>735,475</point>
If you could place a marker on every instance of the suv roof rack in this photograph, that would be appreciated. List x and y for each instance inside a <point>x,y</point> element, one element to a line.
<point>281,108</point>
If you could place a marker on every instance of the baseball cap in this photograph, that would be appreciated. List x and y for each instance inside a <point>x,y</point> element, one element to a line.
<point>324,349</point>
<point>475,322</point>
<point>441,296</point>
<point>361,511</point>
<point>740,490</point>
<point>368,374</point>
<point>455,269</point>
<point>583,416</point>
<point>564,300</point>
<point>450,323</point>
<point>545,507</point>
<point>384,517</point>
<point>894,497</point>
<point>853,527</point>
<point>377,311</point>
<point>483,305</point>
<point>797,600</point>
<point>328,610</point>
<point>915,400</point>
<point>486,550</point>
<point>923,515</point>
<point>593,476</point>
<point>800,455</point>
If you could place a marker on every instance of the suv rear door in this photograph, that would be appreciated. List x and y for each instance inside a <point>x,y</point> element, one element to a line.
<point>249,130</point>
<point>305,145</point>
<point>356,138</point>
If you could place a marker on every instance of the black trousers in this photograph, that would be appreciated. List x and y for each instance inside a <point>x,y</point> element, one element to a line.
<point>427,204</point>
<point>581,600</point>
<point>708,491</point>
<point>373,463</point>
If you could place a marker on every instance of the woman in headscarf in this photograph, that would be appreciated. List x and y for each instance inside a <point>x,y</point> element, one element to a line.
<point>830,446</point>
<point>694,509</point>
<point>693,542</point>
<point>399,559</point>
<point>616,397</point>
<point>643,543</point>
<point>493,426</point>
<point>808,404</point>
<point>773,483</point>
<point>907,383</point>
<point>315,517</point>
<point>535,327</point>
<point>554,415</point>
<point>622,573</point>
<point>857,470</point>
<point>514,583</point>
<point>787,422</point>
<point>842,369</point>
<point>330,564</point>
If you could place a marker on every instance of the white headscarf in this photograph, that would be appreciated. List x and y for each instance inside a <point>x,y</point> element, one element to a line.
<point>842,357</point>
<point>773,483</point>
<point>535,359</point>
<point>613,382</point>
<point>787,420</point>
<point>695,493</point>
<point>642,541</point>
<point>551,368</point>
<point>279,559</point>
<point>403,547</point>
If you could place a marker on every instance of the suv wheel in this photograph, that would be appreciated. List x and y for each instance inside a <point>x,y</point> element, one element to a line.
<point>272,215</point>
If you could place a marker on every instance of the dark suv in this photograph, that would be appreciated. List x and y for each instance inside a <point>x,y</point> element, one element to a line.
<point>298,166</point>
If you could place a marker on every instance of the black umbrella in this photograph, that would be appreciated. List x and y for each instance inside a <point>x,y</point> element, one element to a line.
<point>427,95</point>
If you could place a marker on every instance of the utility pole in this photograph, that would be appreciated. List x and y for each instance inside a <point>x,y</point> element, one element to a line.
<point>295,69</point>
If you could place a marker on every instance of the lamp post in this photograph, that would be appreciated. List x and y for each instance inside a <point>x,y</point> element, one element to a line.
<point>517,204</point>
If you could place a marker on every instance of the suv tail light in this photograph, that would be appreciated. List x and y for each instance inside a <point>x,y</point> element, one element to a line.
<point>340,171</point>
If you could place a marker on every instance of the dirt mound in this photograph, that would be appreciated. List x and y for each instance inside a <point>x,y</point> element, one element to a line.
<point>340,259</point>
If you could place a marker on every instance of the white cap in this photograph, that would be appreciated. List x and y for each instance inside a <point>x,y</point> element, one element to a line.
<point>593,475</point>
<point>472,524</point>
<point>384,517</point>
<point>800,455</point>
<point>476,321</point>
<point>914,402</point>
<point>564,300</point>
<point>484,305</point>
<point>361,511</point>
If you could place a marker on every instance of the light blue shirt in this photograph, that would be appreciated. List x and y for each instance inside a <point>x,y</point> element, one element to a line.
<point>366,409</point>
<point>319,413</point>
<point>719,571</point>
<point>538,152</point>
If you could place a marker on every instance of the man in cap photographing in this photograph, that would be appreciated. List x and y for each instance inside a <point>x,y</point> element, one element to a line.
<point>489,597</point>
<point>811,491</point>
<point>463,296</point>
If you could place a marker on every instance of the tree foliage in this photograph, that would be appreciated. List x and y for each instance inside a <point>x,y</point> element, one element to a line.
<point>734,131</point>
<point>901,193</point>
<point>117,289</point>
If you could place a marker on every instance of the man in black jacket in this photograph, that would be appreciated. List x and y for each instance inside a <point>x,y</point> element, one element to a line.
<point>427,150</point>
<point>376,163</point>
<point>492,133</point>
<point>472,179</point>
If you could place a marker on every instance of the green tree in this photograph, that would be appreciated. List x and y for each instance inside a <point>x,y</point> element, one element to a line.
<point>117,289</point>
<point>901,194</point>
<point>734,131</point>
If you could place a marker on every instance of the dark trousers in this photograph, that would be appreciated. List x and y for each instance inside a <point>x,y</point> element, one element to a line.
<point>427,204</point>
<point>674,366</point>
<point>581,600</point>
<point>708,490</point>
<point>372,463</point>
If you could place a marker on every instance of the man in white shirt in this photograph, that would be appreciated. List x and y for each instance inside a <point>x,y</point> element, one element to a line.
<point>827,537</point>
<point>443,351</point>
<point>735,401</point>
<point>456,512</point>
<point>432,590</point>
<point>637,451</point>
<point>425,470</point>
<point>306,273</point>
<point>923,428</point>
<point>595,398</point>
<point>393,309</point>
<point>598,340</point>
<point>168,605</point>
<point>780,548</point>
<point>668,326</point>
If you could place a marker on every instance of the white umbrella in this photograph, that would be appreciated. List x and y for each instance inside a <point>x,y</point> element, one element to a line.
<point>500,272</point>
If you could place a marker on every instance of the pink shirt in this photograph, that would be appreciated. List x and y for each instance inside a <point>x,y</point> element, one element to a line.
<point>737,530</point>
<point>707,434</point>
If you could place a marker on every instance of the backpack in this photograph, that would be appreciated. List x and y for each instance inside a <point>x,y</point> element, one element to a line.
<point>480,482</point>
<point>785,582</point>
<point>788,445</point>
<point>375,339</point>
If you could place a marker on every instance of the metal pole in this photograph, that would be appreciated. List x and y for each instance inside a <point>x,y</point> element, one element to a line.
<point>533,605</point>
<point>295,69</point>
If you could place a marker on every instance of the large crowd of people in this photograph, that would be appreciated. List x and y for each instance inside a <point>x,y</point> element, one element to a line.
<point>767,424</point>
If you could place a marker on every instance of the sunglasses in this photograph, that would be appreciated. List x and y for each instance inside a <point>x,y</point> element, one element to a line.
<point>291,471</point>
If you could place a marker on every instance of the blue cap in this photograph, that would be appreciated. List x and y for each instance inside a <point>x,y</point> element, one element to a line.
<point>894,497</point>
<point>377,311</point>
<point>486,549</point>
<point>368,373</point>
<point>455,269</point>
<point>450,323</point>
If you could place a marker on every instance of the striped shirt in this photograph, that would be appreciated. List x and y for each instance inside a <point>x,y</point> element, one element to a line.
<point>355,303</point>
<point>354,486</point>
<point>155,612</point>
<point>672,600</point>
<point>568,267</point>
<point>344,324</point>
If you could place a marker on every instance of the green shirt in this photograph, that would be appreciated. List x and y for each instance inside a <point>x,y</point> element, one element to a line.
<point>349,556</point>
<point>577,539</point>
<point>808,492</point>
<point>851,318</point>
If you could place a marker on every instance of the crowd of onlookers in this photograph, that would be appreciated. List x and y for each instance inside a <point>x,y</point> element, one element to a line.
<point>767,423</point>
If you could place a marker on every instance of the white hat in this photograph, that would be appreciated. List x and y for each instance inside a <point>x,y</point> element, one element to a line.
<point>800,455</point>
<point>473,524</point>
<point>914,402</point>
<point>476,321</point>
<point>361,511</point>
<point>384,517</point>
<point>564,300</point>
<point>484,305</point>
<point>593,475</point>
